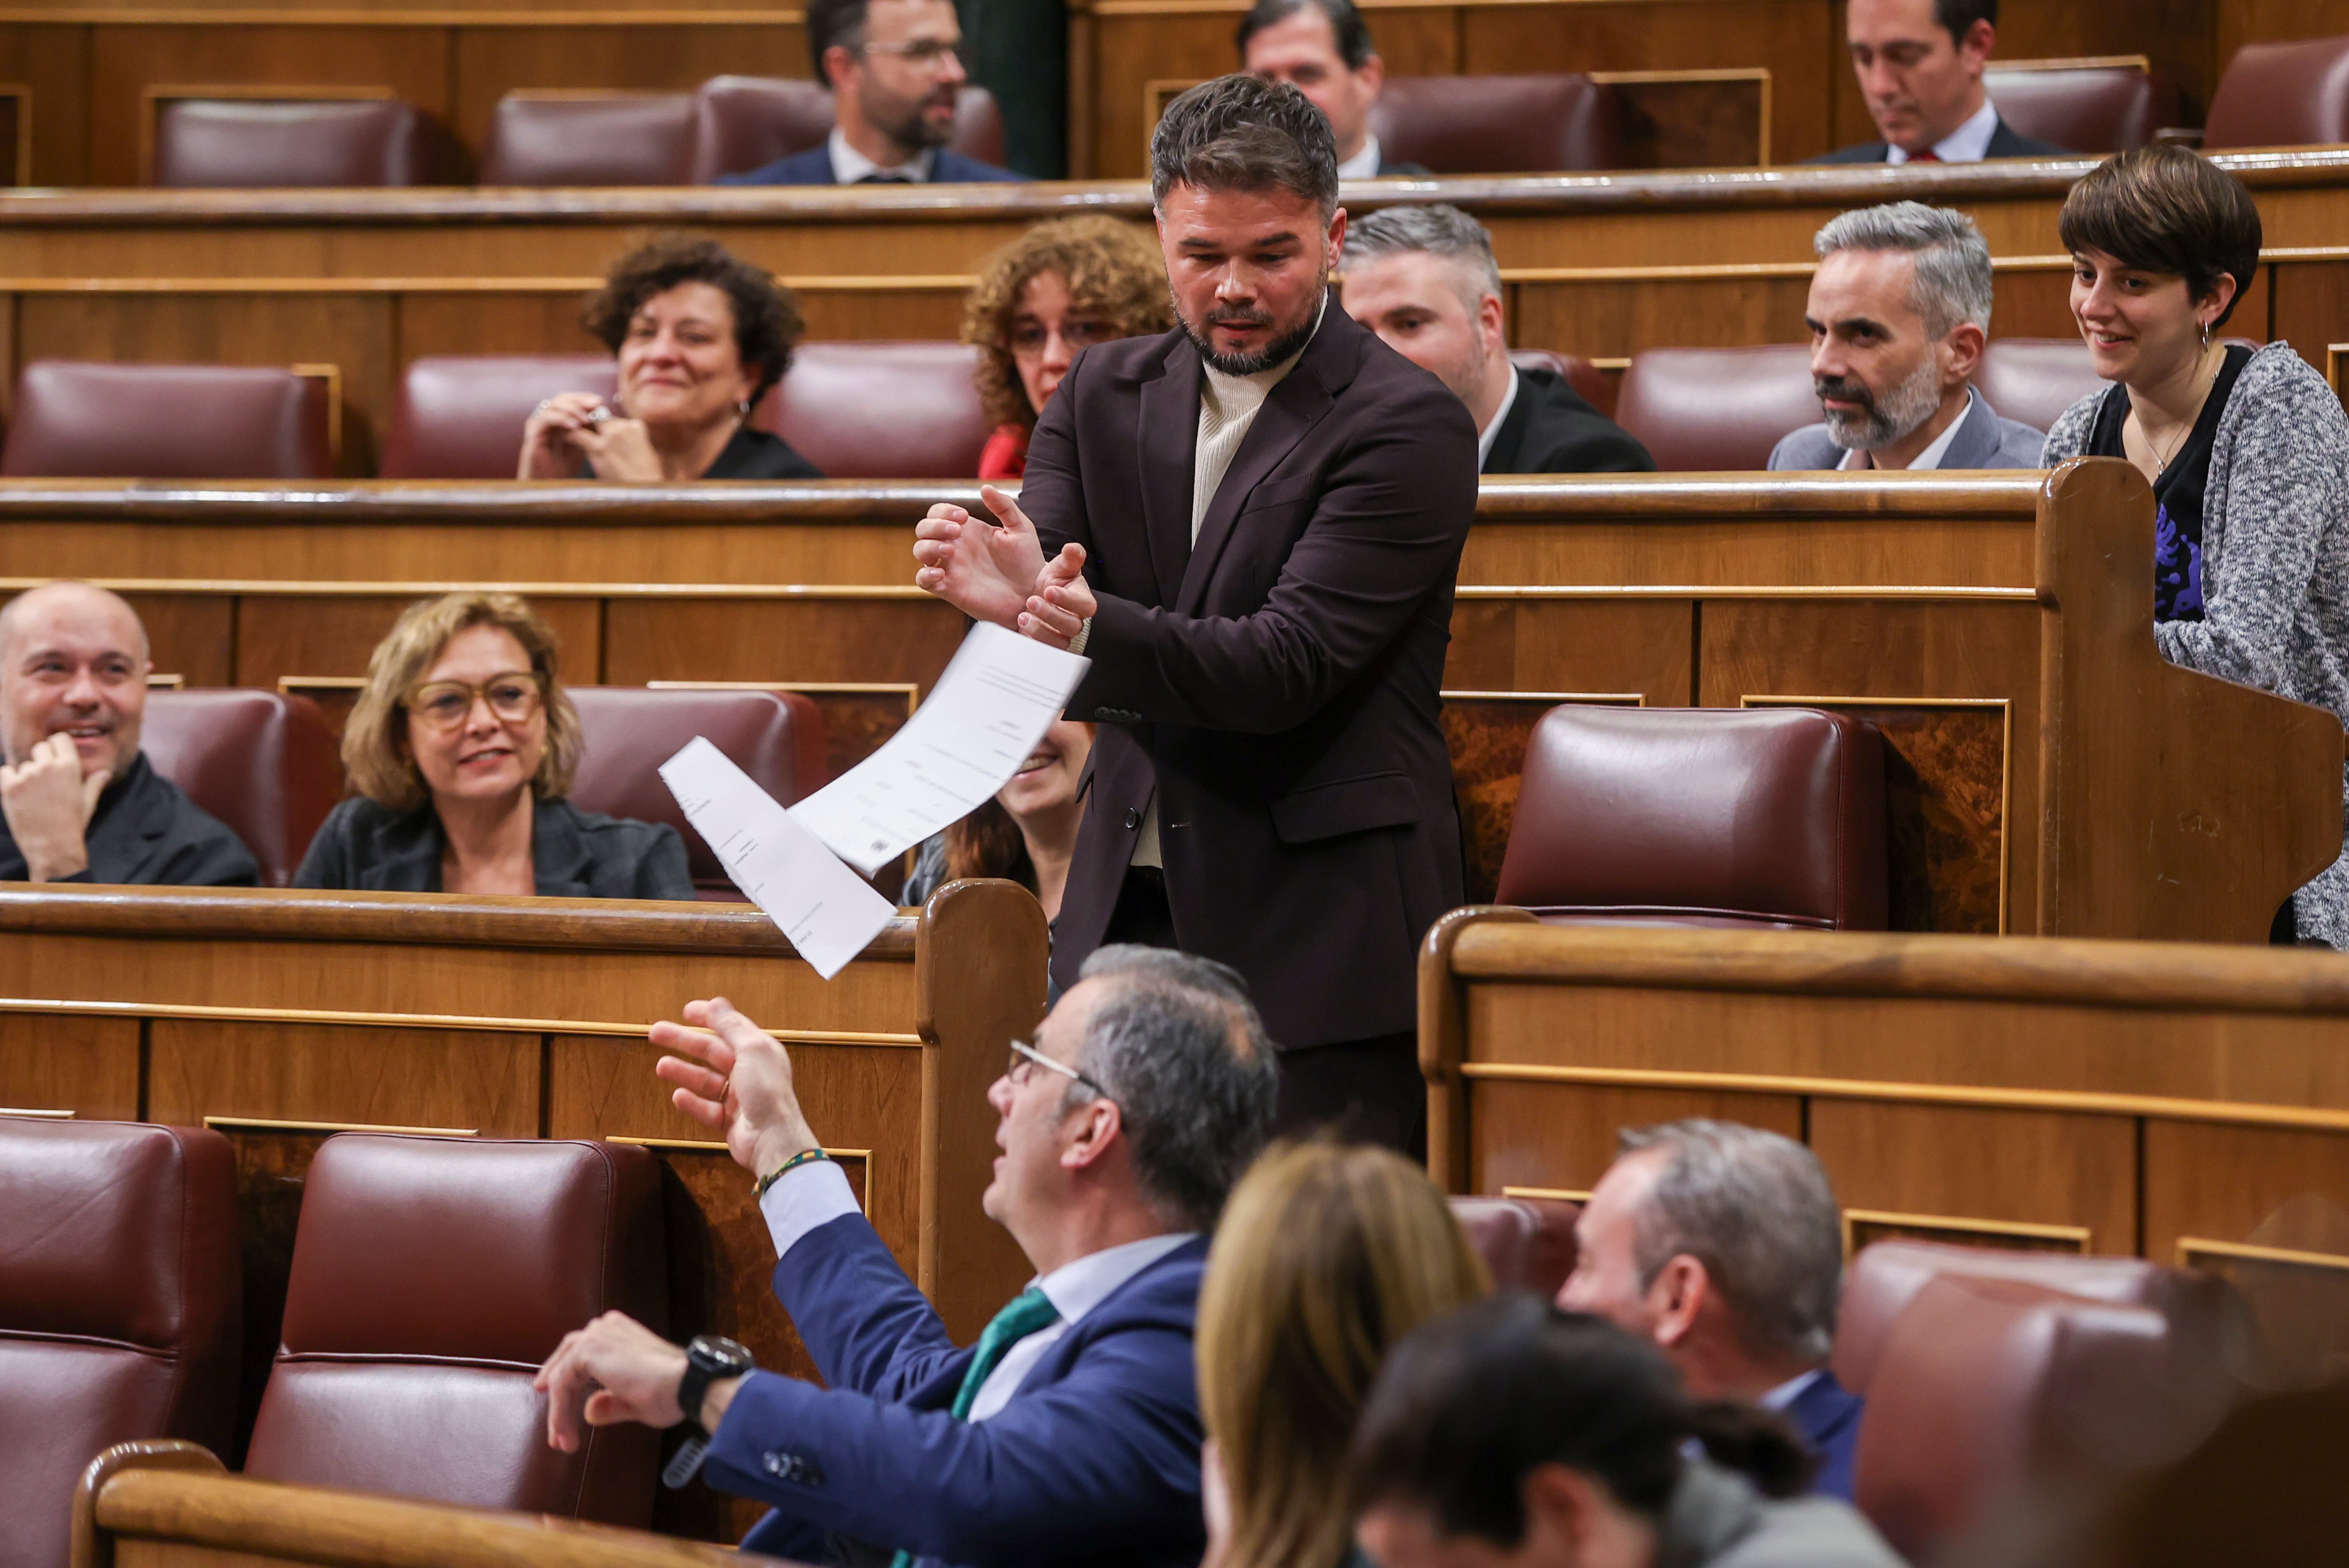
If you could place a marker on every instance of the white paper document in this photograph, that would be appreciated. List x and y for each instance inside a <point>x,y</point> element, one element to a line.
<point>982,720</point>
<point>828,910</point>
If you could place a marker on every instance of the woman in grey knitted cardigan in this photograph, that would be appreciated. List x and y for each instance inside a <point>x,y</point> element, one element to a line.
<point>2248,451</point>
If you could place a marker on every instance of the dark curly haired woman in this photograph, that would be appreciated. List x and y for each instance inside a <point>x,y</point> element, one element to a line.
<point>700,336</point>
<point>1057,289</point>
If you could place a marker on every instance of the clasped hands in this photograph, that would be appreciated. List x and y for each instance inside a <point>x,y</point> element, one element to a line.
<point>997,572</point>
<point>737,1083</point>
<point>47,802</point>
<point>571,427</point>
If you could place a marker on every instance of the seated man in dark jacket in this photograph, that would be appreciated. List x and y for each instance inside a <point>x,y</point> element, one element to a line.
<point>1424,279</point>
<point>1920,64</point>
<point>893,67</point>
<point>77,801</point>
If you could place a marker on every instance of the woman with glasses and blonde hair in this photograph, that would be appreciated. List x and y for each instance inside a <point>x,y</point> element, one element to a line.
<point>1327,1254</point>
<point>461,748</point>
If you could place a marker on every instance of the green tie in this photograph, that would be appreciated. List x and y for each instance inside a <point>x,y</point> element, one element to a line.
<point>1030,1310</point>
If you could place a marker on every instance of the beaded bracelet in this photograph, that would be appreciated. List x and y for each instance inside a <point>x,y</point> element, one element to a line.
<point>805,1157</point>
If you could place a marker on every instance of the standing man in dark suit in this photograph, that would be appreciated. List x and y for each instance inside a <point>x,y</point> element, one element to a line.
<point>1921,67</point>
<point>1322,48</point>
<point>1252,526</point>
<point>1423,277</point>
<point>893,67</point>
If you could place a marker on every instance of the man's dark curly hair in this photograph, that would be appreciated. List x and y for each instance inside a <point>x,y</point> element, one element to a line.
<point>766,321</point>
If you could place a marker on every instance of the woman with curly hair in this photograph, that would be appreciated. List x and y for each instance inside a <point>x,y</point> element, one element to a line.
<point>1057,289</point>
<point>700,335</point>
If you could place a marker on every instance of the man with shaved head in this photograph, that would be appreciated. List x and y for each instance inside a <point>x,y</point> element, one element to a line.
<point>77,801</point>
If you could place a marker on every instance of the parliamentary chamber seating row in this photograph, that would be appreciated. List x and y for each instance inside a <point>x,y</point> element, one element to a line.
<point>381,1371</point>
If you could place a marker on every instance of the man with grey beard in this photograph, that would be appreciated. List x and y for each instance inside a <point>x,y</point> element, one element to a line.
<point>1898,312</point>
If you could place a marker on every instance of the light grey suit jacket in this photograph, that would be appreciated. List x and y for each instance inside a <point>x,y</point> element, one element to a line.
<point>1716,1520</point>
<point>1983,442</point>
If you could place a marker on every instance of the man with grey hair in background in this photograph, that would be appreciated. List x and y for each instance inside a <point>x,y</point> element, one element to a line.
<point>1070,1433</point>
<point>1423,277</point>
<point>1722,1243</point>
<point>1899,310</point>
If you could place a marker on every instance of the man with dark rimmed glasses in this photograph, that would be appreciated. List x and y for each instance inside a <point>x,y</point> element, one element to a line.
<point>1070,1433</point>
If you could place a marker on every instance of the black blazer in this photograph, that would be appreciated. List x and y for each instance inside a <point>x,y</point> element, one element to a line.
<point>1551,430</point>
<point>574,853</point>
<point>146,832</point>
<point>2005,142</point>
<point>748,454</point>
<point>1279,682</point>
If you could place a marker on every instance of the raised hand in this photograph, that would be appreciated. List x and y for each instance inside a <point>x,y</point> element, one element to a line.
<point>739,1084</point>
<point>985,572</point>
<point>548,450</point>
<point>47,803</point>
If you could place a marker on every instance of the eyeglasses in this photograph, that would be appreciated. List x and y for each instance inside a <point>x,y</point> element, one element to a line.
<point>444,705</point>
<point>1026,1059</point>
<point>1028,339</point>
<point>926,53</point>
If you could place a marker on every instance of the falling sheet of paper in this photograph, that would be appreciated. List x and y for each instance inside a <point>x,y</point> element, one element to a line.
<point>980,722</point>
<point>828,910</point>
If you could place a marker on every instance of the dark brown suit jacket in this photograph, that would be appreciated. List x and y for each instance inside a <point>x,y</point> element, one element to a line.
<point>1278,683</point>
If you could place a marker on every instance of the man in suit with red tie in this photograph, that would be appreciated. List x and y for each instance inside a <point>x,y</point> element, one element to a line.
<point>1252,526</point>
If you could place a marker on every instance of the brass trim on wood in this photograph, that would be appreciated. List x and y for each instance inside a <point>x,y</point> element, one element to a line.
<point>1558,1194</point>
<point>271,1124</point>
<point>2078,63</point>
<point>1737,591</point>
<point>355,589</point>
<point>446,16</point>
<point>2082,1238</point>
<point>156,682</point>
<point>1983,1096</point>
<point>332,374</point>
<point>704,1146</point>
<point>293,685</point>
<point>410,1021</point>
<point>40,1115</point>
<point>1611,698</point>
<point>2192,1247</point>
<point>943,283</point>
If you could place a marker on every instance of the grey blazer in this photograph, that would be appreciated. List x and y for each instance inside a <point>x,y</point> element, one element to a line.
<point>1716,1520</point>
<point>2275,560</point>
<point>574,854</point>
<point>1985,441</point>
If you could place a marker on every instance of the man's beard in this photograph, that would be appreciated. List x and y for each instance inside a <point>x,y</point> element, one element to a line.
<point>1280,348</point>
<point>1880,421</point>
<point>907,123</point>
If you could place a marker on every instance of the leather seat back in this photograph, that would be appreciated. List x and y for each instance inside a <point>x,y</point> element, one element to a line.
<point>2085,108</point>
<point>80,420</point>
<point>776,738</point>
<point>881,410</point>
<point>1561,123</point>
<point>432,1277</point>
<point>460,415</point>
<point>2283,95</point>
<point>120,1307</point>
<point>274,143</point>
<point>2034,379</point>
<point>1990,1390</point>
<point>1768,818</point>
<point>264,763</point>
<point>1576,371</point>
<point>590,138</point>
<point>742,123</point>
<point>1701,409</point>
<point>1528,1243</point>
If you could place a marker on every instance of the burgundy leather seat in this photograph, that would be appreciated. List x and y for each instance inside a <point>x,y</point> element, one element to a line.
<point>1887,1276</point>
<point>275,143</point>
<point>1988,1388</point>
<point>432,1277</point>
<point>262,762</point>
<point>1701,410</point>
<point>2089,108</point>
<point>881,410</point>
<point>1759,818</point>
<point>460,415</point>
<point>1499,125</point>
<point>1528,1243</point>
<point>120,1304</point>
<point>777,737</point>
<point>742,123</point>
<point>78,419</point>
<point>2034,379</point>
<point>2283,95</point>
<point>590,138</point>
<point>1577,372</point>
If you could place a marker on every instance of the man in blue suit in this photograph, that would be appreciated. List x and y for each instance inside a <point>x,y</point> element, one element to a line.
<point>1070,1433</point>
<point>893,67</point>
<point>1722,1243</point>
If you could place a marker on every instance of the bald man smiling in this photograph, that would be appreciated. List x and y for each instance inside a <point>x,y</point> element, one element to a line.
<point>77,801</point>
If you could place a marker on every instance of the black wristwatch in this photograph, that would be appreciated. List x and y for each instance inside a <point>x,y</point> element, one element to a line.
<point>707,1358</point>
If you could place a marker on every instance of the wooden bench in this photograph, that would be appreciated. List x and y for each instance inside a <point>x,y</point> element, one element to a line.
<point>2184,1103</point>
<point>282,1017</point>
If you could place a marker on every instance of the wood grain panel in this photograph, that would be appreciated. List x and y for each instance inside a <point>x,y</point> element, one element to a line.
<point>1487,735</point>
<point>272,1171</point>
<point>54,61</point>
<point>482,1080</point>
<point>524,321</point>
<point>779,640</point>
<point>1610,318</point>
<point>1563,1136</point>
<point>491,62</point>
<point>1969,1166</point>
<point>292,634</point>
<point>1132,52</point>
<point>2311,309</point>
<point>86,1065</point>
<point>191,635</point>
<point>1571,645</point>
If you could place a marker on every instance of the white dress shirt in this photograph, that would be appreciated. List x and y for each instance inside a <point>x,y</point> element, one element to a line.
<point>849,166</point>
<point>1492,426</point>
<point>1786,1393</point>
<point>1930,457</point>
<point>1969,144</point>
<point>818,1193</point>
<point>1364,165</point>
